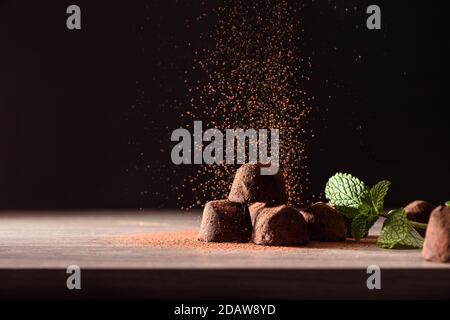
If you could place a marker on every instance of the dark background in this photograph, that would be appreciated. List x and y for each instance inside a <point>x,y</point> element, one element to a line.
<point>86,116</point>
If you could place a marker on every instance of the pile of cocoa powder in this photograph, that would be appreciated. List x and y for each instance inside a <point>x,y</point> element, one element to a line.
<point>187,239</point>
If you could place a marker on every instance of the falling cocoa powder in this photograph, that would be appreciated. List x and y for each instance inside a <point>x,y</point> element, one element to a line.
<point>253,77</point>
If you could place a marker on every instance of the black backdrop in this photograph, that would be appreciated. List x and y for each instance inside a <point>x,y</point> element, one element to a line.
<point>86,116</point>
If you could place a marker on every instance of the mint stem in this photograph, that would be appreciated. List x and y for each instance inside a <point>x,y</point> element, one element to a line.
<point>418,225</point>
<point>415,224</point>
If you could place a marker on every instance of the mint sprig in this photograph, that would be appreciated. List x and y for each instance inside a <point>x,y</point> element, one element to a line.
<point>364,205</point>
<point>447,204</point>
<point>346,192</point>
<point>397,232</point>
<point>378,193</point>
<point>352,198</point>
<point>361,225</point>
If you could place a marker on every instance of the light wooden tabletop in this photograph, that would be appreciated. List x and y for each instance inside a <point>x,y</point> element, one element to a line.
<point>43,244</point>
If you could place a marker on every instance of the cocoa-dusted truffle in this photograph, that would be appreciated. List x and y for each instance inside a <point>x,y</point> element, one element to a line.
<point>251,186</point>
<point>348,225</point>
<point>437,239</point>
<point>324,223</point>
<point>255,210</point>
<point>419,211</point>
<point>280,226</point>
<point>225,221</point>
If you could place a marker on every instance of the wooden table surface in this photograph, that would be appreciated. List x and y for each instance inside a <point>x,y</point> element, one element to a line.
<point>37,247</point>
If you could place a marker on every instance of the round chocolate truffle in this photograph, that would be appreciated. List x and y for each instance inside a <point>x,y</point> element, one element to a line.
<point>419,211</point>
<point>324,223</point>
<point>255,210</point>
<point>225,221</point>
<point>436,246</point>
<point>348,225</point>
<point>280,226</point>
<point>250,186</point>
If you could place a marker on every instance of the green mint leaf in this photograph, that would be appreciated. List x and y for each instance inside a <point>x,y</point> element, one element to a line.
<point>344,190</point>
<point>447,204</point>
<point>398,233</point>
<point>394,229</point>
<point>378,193</point>
<point>361,225</point>
<point>412,240</point>
<point>352,198</point>
<point>365,208</point>
<point>371,221</point>
<point>347,211</point>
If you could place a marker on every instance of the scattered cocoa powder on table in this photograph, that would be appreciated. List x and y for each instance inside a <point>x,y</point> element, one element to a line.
<point>188,240</point>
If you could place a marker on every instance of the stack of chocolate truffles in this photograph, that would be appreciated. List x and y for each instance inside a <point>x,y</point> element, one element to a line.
<point>256,210</point>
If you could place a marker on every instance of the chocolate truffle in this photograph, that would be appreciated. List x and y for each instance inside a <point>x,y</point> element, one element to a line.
<point>225,221</point>
<point>251,186</point>
<point>348,225</point>
<point>347,221</point>
<point>437,239</point>
<point>324,223</point>
<point>419,211</point>
<point>255,209</point>
<point>280,226</point>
